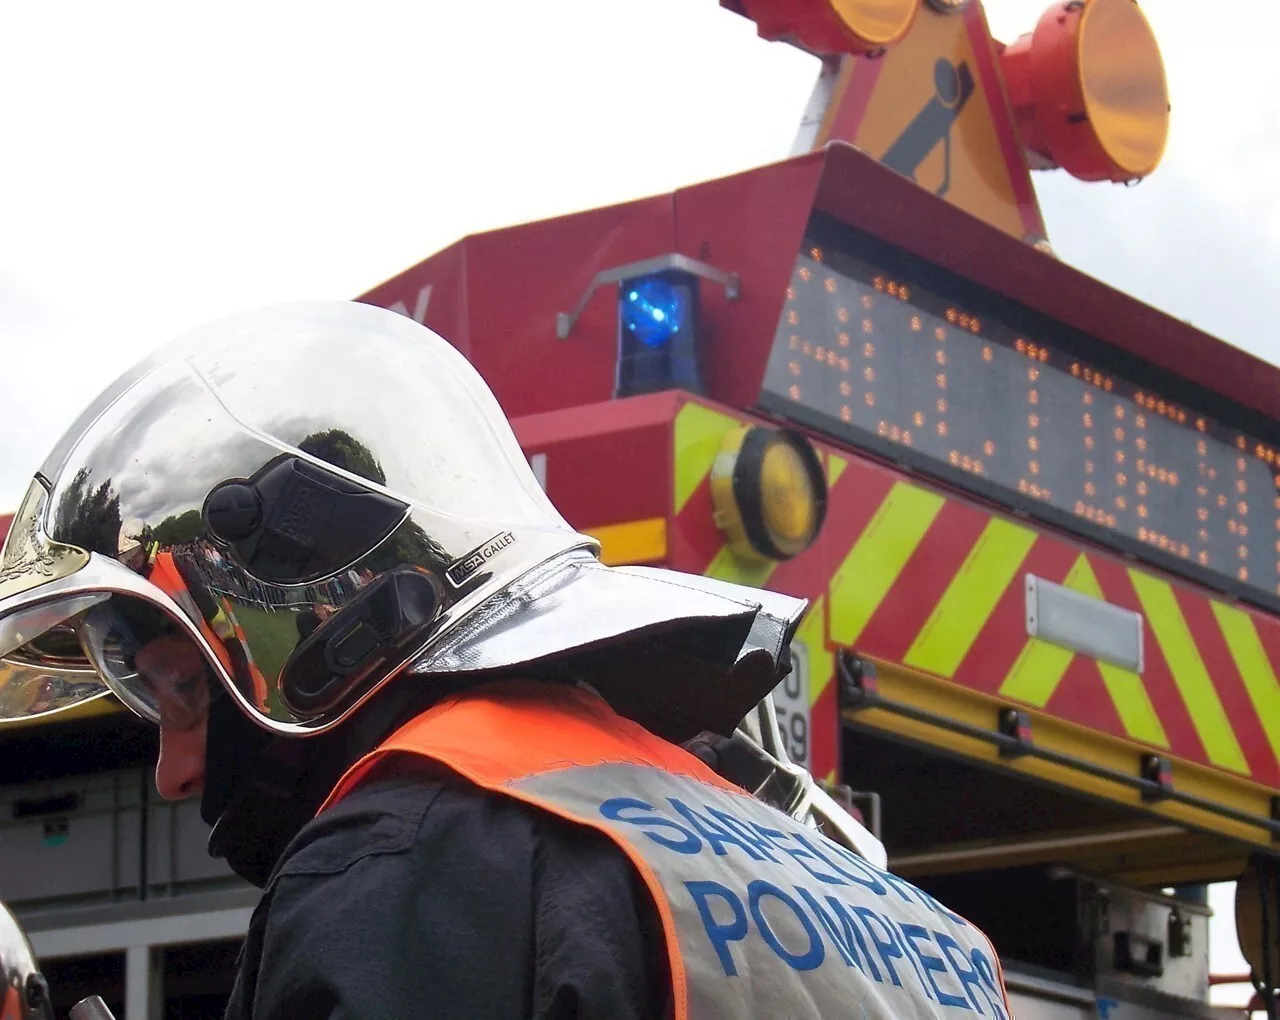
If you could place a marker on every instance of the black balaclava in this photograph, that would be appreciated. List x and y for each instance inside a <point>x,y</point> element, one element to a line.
<point>261,788</point>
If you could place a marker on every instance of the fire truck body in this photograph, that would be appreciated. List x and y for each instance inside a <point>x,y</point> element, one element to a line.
<point>991,750</point>
<point>1041,542</point>
<point>921,568</point>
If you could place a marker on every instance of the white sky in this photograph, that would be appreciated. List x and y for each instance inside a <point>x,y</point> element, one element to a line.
<point>162,164</point>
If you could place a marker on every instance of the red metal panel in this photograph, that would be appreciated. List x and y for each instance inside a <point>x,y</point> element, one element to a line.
<point>989,662</point>
<point>695,539</point>
<point>6,520</point>
<point>750,224</point>
<point>439,283</point>
<point>606,463</point>
<point>513,282</point>
<point>1117,588</point>
<point>496,295</point>
<point>1082,695</point>
<point>923,580</point>
<point>1226,679</point>
<point>519,279</point>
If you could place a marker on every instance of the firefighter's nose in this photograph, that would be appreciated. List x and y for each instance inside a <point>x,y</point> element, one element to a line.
<point>180,768</point>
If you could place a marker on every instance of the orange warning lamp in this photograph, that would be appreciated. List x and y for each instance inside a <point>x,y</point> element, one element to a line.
<point>833,27</point>
<point>1089,92</point>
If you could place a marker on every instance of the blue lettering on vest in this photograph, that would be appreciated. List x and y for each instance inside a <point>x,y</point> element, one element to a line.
<point>744,831</point>
<point>888,948</point>
<point>717,836</point>
<point>727,915</point>
<point>846,912</point>
<point>912,957</point>
<point>622,809</point>
<point>908,892</point>
<point>721,933</point>
<point>799,855</point>
<point>988,975</point>
<point>913,933</point>
<point>840,929</point>
<point>757,890</point>
<point>858,870</point>
<point>962,968</point>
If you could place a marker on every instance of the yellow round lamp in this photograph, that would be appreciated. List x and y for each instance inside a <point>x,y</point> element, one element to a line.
<point>834,27</point>
<point>1089,92</point>
<point>769,493</point>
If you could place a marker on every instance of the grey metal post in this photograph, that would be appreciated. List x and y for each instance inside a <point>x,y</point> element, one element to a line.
<point>143,984</point>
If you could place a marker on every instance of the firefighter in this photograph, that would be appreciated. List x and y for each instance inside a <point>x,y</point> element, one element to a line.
<point>441,734</point>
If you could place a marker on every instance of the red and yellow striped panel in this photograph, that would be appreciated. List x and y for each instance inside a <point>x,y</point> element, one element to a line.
<point>906,574</point>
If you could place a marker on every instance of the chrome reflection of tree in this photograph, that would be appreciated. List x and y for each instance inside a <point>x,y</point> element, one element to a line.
<point>409,544</point>
<point>341,449</point>
<point>178,529</point>
<point>89,516</point>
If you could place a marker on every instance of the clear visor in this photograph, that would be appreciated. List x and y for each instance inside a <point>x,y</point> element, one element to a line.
<point>61,652</point>
<point>149,661</point>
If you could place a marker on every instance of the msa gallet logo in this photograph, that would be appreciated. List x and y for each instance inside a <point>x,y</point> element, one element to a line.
<point>477,558</point>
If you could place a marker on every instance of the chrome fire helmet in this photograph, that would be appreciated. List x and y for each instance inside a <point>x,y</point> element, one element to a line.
<point>314,499</point>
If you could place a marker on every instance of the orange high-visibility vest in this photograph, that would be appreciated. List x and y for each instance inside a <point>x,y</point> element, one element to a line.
<point>763,916</point>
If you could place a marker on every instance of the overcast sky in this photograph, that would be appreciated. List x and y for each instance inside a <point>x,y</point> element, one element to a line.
<point>162,164</point>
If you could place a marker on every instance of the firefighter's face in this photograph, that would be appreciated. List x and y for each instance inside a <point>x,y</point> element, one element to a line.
<point>178,676</point>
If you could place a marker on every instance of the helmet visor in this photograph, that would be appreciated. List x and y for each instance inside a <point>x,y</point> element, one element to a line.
<point>56,653</point>
<point>73,646</point>
<point>149,661</point>
<point>42,668</point>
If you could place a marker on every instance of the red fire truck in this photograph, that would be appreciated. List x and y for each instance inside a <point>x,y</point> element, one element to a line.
<point>1038,520</point>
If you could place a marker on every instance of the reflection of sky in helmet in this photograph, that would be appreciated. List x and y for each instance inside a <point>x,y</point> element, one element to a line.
<point>416,404</point>
<point>402,395</point>
<point>163,446</point>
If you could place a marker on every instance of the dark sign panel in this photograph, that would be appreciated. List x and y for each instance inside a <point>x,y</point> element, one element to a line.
<point>874,356</point>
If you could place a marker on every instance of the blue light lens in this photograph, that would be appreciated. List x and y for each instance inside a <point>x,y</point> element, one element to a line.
<point>653,311</point>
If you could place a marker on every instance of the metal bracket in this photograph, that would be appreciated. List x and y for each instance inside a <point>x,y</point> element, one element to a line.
<point>856,677</point>
<point>824,91</point>
<point>565,321</point>
<point>1158,772</point>
<point>1015,725</point>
